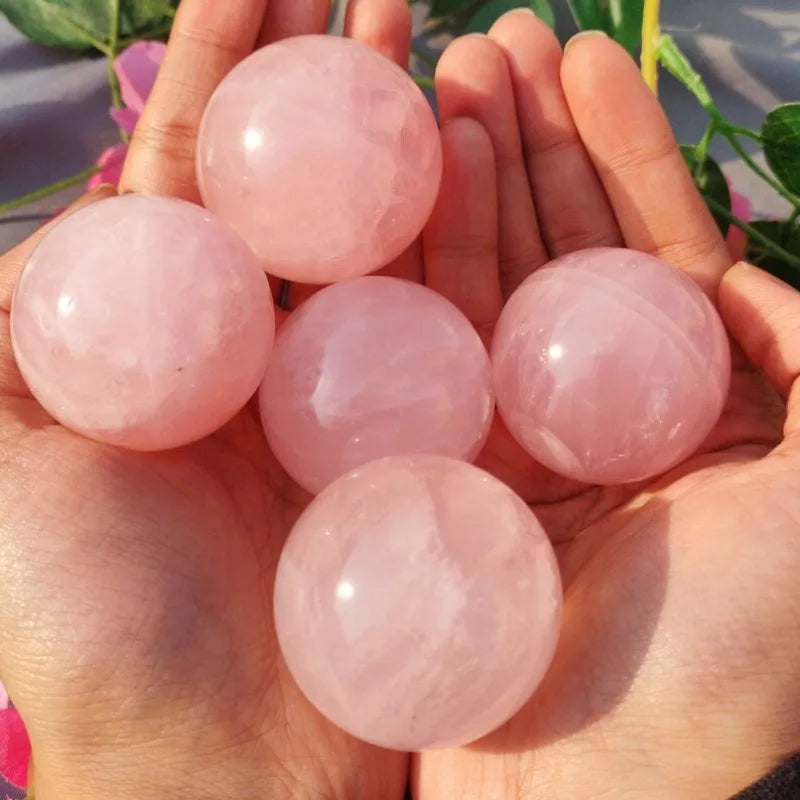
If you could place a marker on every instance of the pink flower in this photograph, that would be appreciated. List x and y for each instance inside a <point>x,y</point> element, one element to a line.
<point>737,239</point>
<point>111,162</point>
<point>136,67</point>
<point>15,748</point>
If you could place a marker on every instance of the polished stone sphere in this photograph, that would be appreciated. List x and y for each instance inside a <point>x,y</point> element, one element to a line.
<point>417,602</point>
<point>142,322</point>
<point>374,367</point>
<point>610,366</point>
<point>323,155</point>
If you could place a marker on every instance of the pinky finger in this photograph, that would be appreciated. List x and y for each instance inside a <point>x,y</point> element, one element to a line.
<point>763,315</point>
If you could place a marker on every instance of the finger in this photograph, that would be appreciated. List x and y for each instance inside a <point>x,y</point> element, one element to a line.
<point>763,315</point>
<point>460,240</point>
<point>208,39</point>
<point>407,266</point>
<point>472,80</point>
<point>12,262</point>
<point>571,204</point>
<point>629,139</point>
<point>285,18</point>
<point>11,382</point>
<point>384,25</point>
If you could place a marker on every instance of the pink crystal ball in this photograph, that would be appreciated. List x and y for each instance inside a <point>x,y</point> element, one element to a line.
<point>374,367</point>
<point>143,322</point>
<point>610,366</point>
<point>323,155</point>
<point>417,602</point>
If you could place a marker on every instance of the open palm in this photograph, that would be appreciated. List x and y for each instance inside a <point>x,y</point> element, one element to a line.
<point>135,609</point>
<point>676,674</point>
<point>136,633</point>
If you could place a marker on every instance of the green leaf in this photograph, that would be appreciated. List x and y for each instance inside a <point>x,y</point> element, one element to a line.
<point>589,15</point>
<point>488,14</point>
<point>674,60</point>
<point>626,20</point>
<point>44,22</point>
<point>442,8</point>
<point>140,17</point>
<point>786,235</point>
<point>780,135</point>
<point>709,180</point>
<point>620,19</point>
<point>83,24</point>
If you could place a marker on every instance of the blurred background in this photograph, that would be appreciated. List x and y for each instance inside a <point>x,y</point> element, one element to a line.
<point>54,104</point>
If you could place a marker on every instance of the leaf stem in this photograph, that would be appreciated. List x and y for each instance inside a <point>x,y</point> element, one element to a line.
<point>741,130</point>
<point>424,81</point>
<point>763,174</point>
<point>46,191</point>
<point>701,150</point>
<point>753,233</point>
<point>651,32</point>
<point>113,49</point>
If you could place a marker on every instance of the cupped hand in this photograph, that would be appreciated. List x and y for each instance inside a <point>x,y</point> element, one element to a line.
<point>676,675</point>
<point>136,633</point>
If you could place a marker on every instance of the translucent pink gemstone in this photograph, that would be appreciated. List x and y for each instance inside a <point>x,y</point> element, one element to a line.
<point>323,155</point>
<point>610,366</point>
<point>374,367</point>
<point>143,322</point>
<point>417,602</point>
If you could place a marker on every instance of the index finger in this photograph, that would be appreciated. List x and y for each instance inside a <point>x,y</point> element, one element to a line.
<point>634,151</point>
<point>208,39</point>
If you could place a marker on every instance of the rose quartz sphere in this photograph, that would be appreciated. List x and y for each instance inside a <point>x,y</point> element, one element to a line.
<point>610,366</point>
<point>143,322</point>
<point>417,602</point>
<point>374,367</point>
<point>323,155</point>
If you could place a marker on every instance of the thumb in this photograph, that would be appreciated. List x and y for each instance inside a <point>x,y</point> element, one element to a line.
<point>14,260</point>
<point>763,314</point>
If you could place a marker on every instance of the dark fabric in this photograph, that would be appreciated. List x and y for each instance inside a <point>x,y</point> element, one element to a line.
<point>782,784</point>
<point>9,792</point>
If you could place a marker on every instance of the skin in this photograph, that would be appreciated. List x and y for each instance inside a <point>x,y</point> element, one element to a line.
<point>136,634</point>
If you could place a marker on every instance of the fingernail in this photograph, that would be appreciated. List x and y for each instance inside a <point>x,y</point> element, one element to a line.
<point>586,35</point>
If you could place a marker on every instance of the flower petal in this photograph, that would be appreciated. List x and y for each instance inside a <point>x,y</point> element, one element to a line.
<point>741,206</point>
<point>15,748</point>
<point>737,239</point>
<point>111,162</point>
<point>136,67</point>
<point>126,118</point>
